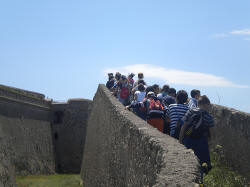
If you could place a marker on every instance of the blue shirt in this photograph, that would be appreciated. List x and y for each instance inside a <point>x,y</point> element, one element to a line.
<point>192,103</point>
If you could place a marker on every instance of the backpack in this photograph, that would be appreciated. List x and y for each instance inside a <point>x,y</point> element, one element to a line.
<point>155,105</point>
<point>155,109</point>
<point>195,127</point>
<point>124,93</point>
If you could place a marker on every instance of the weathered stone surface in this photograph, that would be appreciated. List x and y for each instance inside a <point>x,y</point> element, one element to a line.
<point>232,132</point>
<point>27,138</point>
<point>69,134</point>
<point>123,150</point>
<point>29,145</point>
<point>7,176</point>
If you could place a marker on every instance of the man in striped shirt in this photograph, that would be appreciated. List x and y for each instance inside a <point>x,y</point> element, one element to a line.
<point>175,112</point>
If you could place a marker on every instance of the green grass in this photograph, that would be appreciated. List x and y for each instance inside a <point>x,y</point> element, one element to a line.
<point>221,175</point>
<point>49,181</point>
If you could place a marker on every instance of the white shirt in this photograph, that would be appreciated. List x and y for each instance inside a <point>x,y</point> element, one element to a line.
<point>140,95</point>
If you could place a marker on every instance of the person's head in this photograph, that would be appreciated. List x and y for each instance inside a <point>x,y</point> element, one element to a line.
<point>111,76</point>
<point>181,97</point>
<point>149,89</point>
<point>131,75</point>
<point>204,102</point>
<point>165,88</point>
<point>118,76</point>
<point>141,82</point>
<point>140,76</point>
<point>156,88</point>
<point>123,78</point>
<point>172,92</point>
<point>141,88</point>
<point>150,95</point>
<point>195,94</point>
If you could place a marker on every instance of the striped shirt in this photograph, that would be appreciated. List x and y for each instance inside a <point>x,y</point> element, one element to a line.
<point>175,112</point>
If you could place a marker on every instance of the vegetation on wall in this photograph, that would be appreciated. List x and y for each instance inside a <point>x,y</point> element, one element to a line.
<point>221,174</point>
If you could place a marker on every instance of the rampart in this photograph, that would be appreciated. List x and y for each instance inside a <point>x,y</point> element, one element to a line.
<point>25,133</point>
<point>69,132</point>
<point>232,132</point>
<point>123,150</point>
<point>41,137</point>
<point>28,133</point>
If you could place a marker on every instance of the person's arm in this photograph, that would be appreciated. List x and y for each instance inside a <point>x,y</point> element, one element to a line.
<point>134,89</point>
<point>186,120</point>
<point>135,105</point>
<point>182,133</point>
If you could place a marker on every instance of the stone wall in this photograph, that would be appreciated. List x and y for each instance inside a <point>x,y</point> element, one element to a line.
<point>232,132</point>
<point>69,131</point>
<point>7,176</point>
<point>123,150</point>
<point>29,144</point>
<point>25,133</point>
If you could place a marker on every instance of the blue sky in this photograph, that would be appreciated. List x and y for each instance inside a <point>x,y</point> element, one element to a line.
<point>63,48</point>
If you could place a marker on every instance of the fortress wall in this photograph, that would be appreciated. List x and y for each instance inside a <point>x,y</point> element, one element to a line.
<point>23,95</point>
<point>25,132</point>
<point>7,176</point>
<point>232,132</point>
<point>69,131</point>
<point>123,150</point>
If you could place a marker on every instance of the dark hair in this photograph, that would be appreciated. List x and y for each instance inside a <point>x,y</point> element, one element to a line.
<point>194,93</point>
<point>141,82</point>
<point>123,77</point>
<point>165,88</point>
<point>149,89</point>
<point>172,91</point>
<point>203,100</point>
<point>140,75</point>
<point>118,76</point>
<point>111,76</point>
<point>155,86</point>
<point>181,96</point>
<point>131,75</point>
<point>141,87</point>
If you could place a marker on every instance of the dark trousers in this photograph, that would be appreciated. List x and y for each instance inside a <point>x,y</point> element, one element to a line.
<point>200,148</point>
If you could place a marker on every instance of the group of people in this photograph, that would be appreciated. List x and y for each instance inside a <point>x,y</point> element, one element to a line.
<point>171,112</point>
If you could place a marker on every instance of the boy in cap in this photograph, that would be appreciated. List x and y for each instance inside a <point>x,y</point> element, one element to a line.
<point>196,130</point>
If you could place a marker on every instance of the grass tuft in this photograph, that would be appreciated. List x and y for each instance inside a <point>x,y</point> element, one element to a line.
<point>49,181</point>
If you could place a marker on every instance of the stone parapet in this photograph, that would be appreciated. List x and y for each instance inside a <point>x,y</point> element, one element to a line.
<point>123,150</point>
<point>232,132</point>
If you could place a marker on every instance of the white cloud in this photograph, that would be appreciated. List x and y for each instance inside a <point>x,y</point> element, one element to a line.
<point>174,76</point>
<point>241,32</point>
<point>220,35</point>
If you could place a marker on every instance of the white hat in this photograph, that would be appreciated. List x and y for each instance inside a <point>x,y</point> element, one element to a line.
<point>150,93</point>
